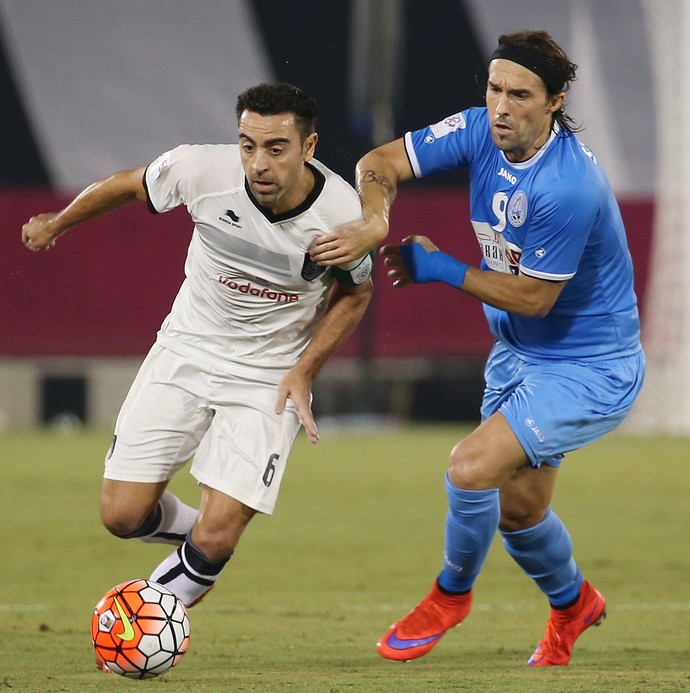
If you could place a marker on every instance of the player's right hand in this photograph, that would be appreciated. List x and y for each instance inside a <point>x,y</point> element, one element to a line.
<point>39,233</point>
<point>347,243</point>
<point>296,386</point>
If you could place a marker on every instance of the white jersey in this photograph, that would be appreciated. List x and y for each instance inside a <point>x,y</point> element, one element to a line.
<point>251,299</point>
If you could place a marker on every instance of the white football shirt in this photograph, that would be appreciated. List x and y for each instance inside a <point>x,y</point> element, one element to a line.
<point>250,298</point>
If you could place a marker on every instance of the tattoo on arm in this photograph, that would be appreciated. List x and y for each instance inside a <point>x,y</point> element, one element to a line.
<point>370,176</point>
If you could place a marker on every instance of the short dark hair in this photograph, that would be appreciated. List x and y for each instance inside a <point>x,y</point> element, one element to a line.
<point>280,97</point>
<point>558,64</point>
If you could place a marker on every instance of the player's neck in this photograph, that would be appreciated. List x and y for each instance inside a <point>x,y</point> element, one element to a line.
<point>519,157</point>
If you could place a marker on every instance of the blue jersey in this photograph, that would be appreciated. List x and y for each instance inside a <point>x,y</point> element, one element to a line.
<point>553,217</point>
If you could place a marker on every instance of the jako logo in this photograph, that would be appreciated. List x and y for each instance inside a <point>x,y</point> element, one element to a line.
<point>260,293</point>
<point>535,429</point>
<point>508,176</point>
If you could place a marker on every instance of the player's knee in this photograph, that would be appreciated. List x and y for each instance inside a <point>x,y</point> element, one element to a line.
<point>121,524</point>
<point>466,468</point>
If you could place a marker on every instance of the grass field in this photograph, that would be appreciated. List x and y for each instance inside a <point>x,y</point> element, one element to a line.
<point>355,542</point>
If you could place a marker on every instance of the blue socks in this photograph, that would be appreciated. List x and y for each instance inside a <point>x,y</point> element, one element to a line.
<point>471,524</point>
<point>545,553</point>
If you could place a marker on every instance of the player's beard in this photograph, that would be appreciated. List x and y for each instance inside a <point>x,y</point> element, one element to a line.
<point>266,197</point>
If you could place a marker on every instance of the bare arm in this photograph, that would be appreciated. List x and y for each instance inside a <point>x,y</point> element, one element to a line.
<point>517,294</point>
<point>41,231</point>
<point>377,176</point>
<point>344,313</point>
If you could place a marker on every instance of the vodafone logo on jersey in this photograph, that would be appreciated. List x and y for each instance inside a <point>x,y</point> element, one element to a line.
<point>250,290</point>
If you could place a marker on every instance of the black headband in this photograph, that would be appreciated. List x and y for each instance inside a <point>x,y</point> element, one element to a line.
<point>533,60</point>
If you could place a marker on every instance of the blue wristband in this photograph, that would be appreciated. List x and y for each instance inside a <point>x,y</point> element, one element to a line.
<point>436,266</point>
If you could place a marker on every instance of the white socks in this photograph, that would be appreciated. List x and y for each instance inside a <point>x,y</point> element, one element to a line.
<point>176,521</point>
<point>187,573</point>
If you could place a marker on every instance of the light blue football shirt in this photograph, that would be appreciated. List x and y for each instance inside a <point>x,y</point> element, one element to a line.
<point>553,217</point>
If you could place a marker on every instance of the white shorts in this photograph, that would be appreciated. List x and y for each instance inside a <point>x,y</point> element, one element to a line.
<point>175,411</point>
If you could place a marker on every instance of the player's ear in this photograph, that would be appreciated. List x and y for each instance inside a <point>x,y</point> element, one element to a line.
<point>556,102</point>
<point>309,146</point>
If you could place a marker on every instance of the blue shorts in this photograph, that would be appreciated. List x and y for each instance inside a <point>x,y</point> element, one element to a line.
<point>557,406</point>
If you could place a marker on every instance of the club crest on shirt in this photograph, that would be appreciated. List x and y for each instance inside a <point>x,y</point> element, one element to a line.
<point>517,208</point>
<point>310,270</point>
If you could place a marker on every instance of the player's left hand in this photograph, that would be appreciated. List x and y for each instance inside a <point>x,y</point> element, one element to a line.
<point>297,387</point>
<point>398,271</point>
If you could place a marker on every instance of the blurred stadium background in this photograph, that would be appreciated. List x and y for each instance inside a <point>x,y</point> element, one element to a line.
<point>94,86</point>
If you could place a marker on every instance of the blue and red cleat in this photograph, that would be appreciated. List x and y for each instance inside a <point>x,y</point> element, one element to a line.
<point>415,634</point>
<point>565,626</point>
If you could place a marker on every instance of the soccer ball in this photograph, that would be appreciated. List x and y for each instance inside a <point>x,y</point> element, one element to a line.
<point>140,629</point>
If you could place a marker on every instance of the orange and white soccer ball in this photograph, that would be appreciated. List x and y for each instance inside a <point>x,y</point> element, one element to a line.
<point>140,629</point>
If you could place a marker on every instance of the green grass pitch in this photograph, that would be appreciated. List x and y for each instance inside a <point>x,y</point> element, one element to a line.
<point>355,542</point>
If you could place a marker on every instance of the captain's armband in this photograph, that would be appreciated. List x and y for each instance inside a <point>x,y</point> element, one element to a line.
<point>357,272</point>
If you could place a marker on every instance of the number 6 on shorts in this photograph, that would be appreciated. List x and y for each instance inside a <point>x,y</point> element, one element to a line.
<point>270,469</point>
